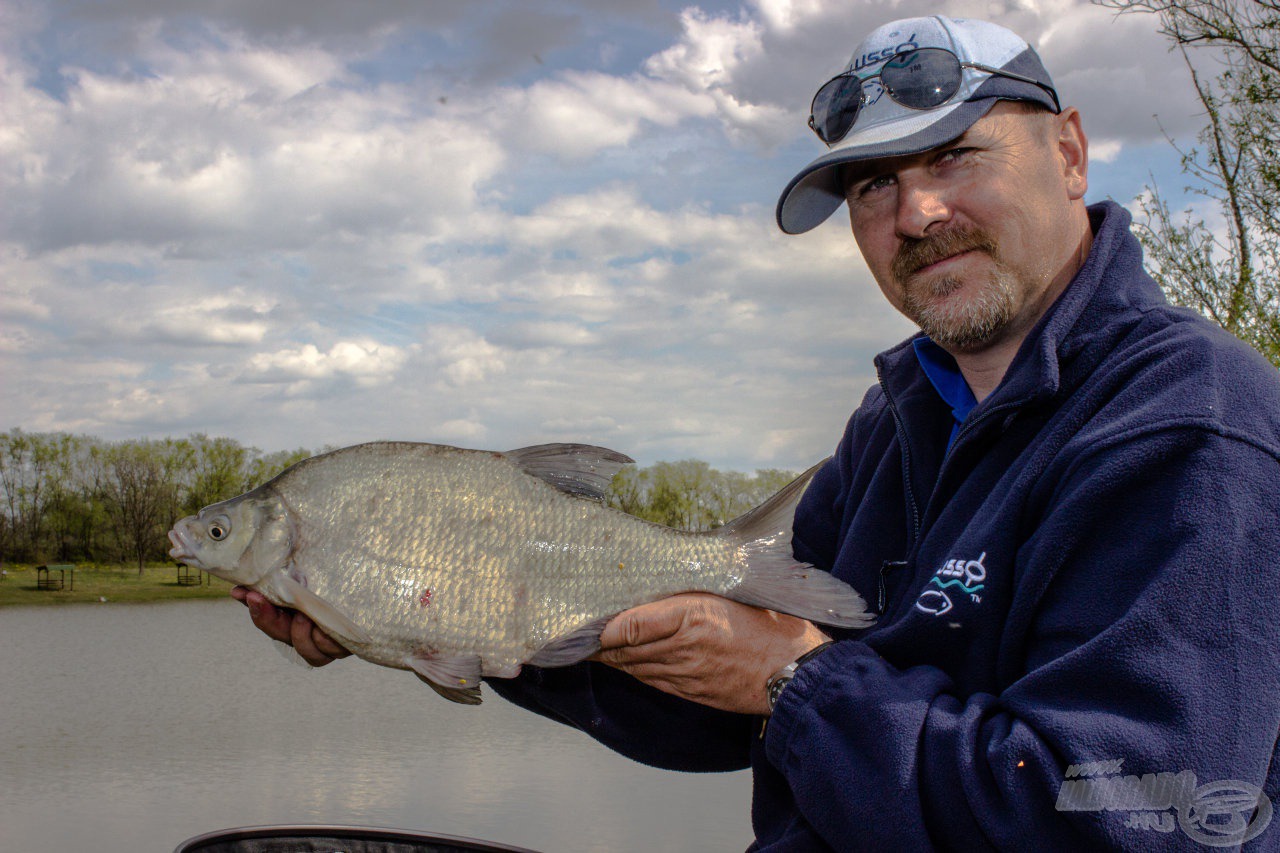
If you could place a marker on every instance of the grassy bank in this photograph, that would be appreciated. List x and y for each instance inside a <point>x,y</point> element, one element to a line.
<point>93,583</point>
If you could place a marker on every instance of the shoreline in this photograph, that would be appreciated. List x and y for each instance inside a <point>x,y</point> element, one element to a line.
<point>113,584</point>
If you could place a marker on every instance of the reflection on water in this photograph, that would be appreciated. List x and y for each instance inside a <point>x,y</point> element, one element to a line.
<point>134,727</point>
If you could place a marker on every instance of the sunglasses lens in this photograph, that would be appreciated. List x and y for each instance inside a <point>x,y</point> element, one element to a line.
<point>835,108</point>
<point>922,79</point>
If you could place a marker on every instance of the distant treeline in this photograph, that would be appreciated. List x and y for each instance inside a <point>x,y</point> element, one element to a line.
<point>69,498</point>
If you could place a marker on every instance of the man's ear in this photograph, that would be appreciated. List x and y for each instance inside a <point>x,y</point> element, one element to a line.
<point>1073,150</point>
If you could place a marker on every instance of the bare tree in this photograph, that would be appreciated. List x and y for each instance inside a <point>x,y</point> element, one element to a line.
<point>1233,280</point>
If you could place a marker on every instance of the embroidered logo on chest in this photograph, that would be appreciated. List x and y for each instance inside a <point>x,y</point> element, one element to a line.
<point>956,578</point>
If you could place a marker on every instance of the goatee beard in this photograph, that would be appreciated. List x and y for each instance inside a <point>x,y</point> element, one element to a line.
<point>955,325</point>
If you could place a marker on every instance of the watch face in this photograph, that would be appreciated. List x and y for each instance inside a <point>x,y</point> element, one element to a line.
<point>776,686</point>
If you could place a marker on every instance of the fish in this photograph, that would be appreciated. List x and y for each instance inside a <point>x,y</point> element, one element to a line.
<point>461,564</point>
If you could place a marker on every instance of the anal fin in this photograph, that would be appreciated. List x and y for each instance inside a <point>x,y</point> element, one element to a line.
<point>461,695</point>
<point>455,678</point>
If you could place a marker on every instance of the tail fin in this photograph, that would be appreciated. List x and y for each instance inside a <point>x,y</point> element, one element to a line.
<point>775,580</point>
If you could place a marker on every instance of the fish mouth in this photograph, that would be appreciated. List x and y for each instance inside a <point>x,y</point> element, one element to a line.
<point>181,550</point>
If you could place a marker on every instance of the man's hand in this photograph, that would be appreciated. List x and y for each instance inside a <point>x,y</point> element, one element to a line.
<point>706,648</point>
<point>289,626</point>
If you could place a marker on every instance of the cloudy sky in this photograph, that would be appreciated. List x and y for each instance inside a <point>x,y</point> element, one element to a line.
<point>492,224</point>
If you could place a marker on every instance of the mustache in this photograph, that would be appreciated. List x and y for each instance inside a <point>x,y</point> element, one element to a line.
<point>915,254</point>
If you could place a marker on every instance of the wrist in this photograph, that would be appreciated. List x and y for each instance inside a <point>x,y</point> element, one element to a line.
<point>778,682</point>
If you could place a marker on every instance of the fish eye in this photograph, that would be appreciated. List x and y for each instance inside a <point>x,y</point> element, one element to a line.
<point>219,528</point>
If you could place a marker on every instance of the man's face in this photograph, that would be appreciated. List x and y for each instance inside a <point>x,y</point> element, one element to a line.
<point>973,240</point>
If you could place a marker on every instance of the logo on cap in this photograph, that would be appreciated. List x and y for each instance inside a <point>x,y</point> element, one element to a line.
<point>872,57</point>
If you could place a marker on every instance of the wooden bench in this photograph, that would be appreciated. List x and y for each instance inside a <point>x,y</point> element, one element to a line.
<point>46,580</point>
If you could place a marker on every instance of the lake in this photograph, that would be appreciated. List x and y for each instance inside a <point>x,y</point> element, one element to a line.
<point>134,727</point>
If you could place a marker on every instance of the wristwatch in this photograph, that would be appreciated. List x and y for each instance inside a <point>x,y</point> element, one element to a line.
<point>780,679</point>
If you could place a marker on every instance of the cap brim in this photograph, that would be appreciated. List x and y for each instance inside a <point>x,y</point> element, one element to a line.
<point>815,193</point>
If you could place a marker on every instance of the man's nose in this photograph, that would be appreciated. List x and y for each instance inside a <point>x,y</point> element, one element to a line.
<point>921,203</point>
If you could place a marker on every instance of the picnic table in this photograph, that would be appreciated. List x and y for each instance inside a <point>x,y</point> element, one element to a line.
<point>189,577</point>
<point>46,580</point>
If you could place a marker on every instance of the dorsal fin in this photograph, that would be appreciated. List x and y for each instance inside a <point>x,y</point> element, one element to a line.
<point>577,469</point>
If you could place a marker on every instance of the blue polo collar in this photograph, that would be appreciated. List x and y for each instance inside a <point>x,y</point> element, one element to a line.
<point>944,374</point>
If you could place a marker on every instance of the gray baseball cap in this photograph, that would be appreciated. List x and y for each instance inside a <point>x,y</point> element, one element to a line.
<point>885,128</point>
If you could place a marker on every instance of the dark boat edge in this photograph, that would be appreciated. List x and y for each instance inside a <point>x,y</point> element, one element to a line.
<point>242,840</point>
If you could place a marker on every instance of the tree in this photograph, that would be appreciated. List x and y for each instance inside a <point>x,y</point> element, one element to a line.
<point>219,470</point>
<point>629,491</point>
<point>1233,280</point>
<point>680,489</point>
<point>690,494</point>
<point>65,505</point>
<point>263,468</point>
<point>26,464</point>
<point>141,494</point>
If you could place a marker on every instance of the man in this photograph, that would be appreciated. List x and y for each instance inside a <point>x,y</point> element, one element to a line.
<point>1060,498</point>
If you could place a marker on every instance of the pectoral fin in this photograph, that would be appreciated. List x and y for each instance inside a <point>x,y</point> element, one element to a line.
<point>331,620</point>
<point>455,678</point>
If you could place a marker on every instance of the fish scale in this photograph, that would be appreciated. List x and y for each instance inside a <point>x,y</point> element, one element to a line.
<point>461,563</point>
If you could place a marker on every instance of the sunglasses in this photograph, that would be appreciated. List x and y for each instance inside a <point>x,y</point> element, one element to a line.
<point>920,79</point>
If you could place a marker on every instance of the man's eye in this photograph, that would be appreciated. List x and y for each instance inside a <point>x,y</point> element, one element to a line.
<point>874,185</point>
<point>954,154</point>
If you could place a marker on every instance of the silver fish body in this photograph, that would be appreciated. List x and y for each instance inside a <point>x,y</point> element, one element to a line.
<point>458,564</point>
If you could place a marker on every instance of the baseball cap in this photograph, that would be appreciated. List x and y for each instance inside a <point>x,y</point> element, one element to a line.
<point>886,128</point>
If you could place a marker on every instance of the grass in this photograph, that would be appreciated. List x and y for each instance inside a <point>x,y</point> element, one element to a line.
<point>93,583</point>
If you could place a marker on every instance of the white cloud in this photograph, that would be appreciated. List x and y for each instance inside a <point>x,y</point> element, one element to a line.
<point>460,357</point>
<point>711,48</point>
<point>368,362</point>
<point>786,15</point>
<point>231,146</point>
<point>1105,151</point>
<point>546,333</point>
<point>705,60</point>
<point>577,114</point>
<point>461,430</point>
<point>221,319</point>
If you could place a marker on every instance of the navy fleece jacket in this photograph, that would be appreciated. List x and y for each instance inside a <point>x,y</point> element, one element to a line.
<point>1084,589</point>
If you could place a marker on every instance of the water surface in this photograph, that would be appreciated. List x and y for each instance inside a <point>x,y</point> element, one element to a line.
<point>133,727</point>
